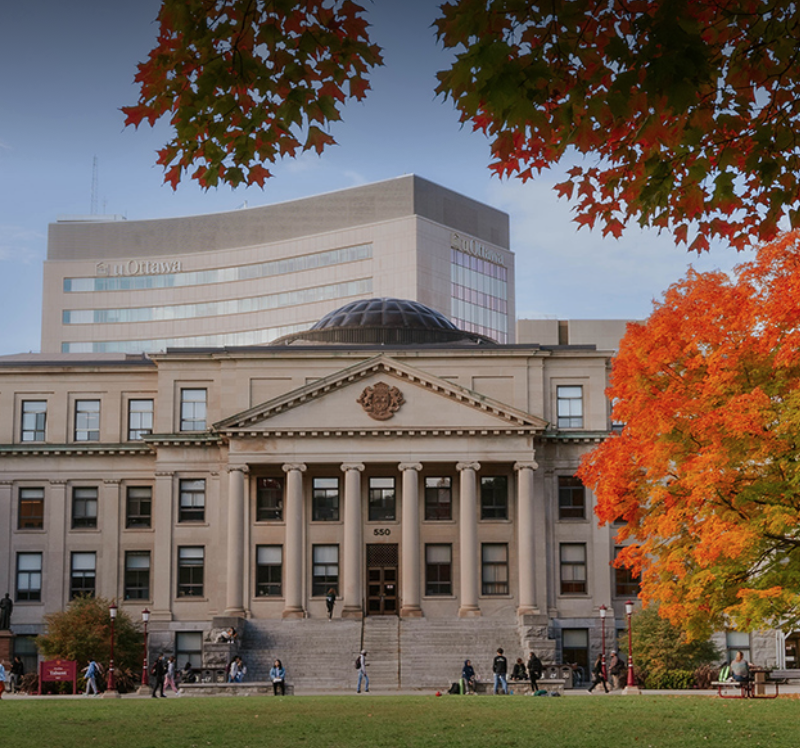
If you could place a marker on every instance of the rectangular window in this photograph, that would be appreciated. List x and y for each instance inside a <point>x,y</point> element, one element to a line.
<point>438,498</point>
<point>191,565</point>
<point>439,569</point>
<point>193,410</point>
<point>571,498</point>
<point>192,501</point>
<point>269,499</point>
<point>325,569</point>
<point>737,641</point>
<point>494,497</point>
<point>573,568</point>
<point>25,648</point>
<point>29,577</point>
<point>269,570</point>
<point>84,507</point>
<point>140,418</point>
<point>382,499</point>
<point>325,500</point>
<point>82,575</point>
<point>137,575</point>
<point>494,569</point>
<point>139,506</point>
<point>626,583</point>
<point>189,648</point>
<point>31,509</point>
<point>569,406</point>
<point>87,420</point>
<point>34,419</point>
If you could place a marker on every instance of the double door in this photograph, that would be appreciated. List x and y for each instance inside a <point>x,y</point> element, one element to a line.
<point>382,587</point>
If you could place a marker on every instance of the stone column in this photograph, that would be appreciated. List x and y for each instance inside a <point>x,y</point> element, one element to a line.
<point>411,551</point>
<point>7,582</point>
<point>470,553</point>
<point>236,551</point>
<point>352,587</point>
<point>525,537</point>
<point>164,555</point>
<point>55,594</point>
<point>293,542</point>
<point>109,558</point>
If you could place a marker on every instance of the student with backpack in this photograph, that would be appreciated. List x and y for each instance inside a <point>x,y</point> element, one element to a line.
<point>361,666</point>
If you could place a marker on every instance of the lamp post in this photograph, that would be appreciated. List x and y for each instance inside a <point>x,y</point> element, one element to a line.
<point>145,619</point>
<point>603,612</point>
<point>631,687</point>
<point>111,691</point>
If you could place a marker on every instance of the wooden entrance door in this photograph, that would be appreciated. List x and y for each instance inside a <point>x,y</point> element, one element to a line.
<point>382,588</point>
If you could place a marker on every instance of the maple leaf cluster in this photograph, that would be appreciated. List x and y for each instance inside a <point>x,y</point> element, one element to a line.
<point>706,470</point>
<point>246,82</point>
<point>691,108</point>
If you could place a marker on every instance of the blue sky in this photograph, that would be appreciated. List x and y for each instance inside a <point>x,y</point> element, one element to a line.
<point>67,67</point>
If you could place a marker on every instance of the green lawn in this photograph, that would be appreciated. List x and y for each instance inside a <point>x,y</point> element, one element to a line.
<point>399,721</point>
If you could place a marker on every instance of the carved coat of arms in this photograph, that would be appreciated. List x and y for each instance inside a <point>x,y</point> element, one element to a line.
<point>381,402</point>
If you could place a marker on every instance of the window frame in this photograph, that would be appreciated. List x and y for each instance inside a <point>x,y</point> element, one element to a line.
<point>571,498</point>
<point>437,510</point>
<point>137,430</point>
<point>572,584</point>
<point>381,499</point>
<point>269,576</point>
<point>39,426</point>
<point>270,499</point>
<point>136,520</point>
<point>34,593</point>
<point>189,570</point>
<point>500,585</point>
<point>85,520</point>
<point>567,415</point>
<point>438,574</point>
<point>325,499</point>
<point>87,420</point>
<point>322,582</point>
<point>184,653</point>
<point>191,418</point>
<point>191,500</point>
<point>137,579</point>
<point>29,520</point>
<point>626,583</point>
<point>87,587</point>
<point>494,498</point>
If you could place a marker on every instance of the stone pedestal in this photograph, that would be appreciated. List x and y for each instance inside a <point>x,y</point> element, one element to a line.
<point>6,645</point>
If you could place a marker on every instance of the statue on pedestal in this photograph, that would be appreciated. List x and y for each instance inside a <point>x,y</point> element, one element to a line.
<point>6,606</point>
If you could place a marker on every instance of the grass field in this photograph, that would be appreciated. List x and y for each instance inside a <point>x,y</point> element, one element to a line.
<point>400,721</point>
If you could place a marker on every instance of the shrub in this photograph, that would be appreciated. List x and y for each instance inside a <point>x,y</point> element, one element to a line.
<point>670,679</point>
<point>705,675</point>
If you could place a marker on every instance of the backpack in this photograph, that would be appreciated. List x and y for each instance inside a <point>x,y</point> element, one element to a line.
<point>358,662</point>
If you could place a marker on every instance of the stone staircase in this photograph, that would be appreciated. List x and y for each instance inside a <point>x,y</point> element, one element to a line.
<point>402,653</point>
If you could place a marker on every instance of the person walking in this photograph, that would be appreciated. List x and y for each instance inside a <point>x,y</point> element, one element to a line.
<point>330,601</point>
<point>278,677</point>
<point>598,675</point>
<point>157,671</point>
<point>169,678</point>
<point>17,671</point>
<point>92,670</point>
<point>534,671</point>
<point>500,669</point>
<point>3,677</point>
<point>362,672</point>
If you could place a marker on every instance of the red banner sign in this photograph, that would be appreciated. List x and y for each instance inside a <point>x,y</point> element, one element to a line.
<point>59,670</point>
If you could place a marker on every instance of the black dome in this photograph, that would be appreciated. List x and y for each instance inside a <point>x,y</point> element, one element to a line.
<point>383,322</point>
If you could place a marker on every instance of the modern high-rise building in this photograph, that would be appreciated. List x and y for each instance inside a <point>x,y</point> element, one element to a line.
<point>249,276</point>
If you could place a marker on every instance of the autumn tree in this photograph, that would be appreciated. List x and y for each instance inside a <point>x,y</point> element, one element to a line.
<point>706,471</point>
<point>687,110</point>
<point>246,82</point>
<point>82,632</point>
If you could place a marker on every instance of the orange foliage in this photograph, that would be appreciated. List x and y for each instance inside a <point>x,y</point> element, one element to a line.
<point>706,472</point>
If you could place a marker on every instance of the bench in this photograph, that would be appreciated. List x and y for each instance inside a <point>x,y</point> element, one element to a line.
<point>756,688</point>
<point>784,675</point>
<point>252,688</point>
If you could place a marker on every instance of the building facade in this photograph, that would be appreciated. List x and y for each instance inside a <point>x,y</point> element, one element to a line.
<point>249,276</point>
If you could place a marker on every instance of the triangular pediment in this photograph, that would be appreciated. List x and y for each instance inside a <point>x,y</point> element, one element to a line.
<point>381,394</point>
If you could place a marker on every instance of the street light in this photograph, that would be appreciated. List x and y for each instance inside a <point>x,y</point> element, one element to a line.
<point>603,611</point>
<point>112,688</point>
<point>631,679</point>
<point>145,619</point>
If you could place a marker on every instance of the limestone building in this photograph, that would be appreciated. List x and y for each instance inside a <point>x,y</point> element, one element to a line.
<point>249,276</point>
